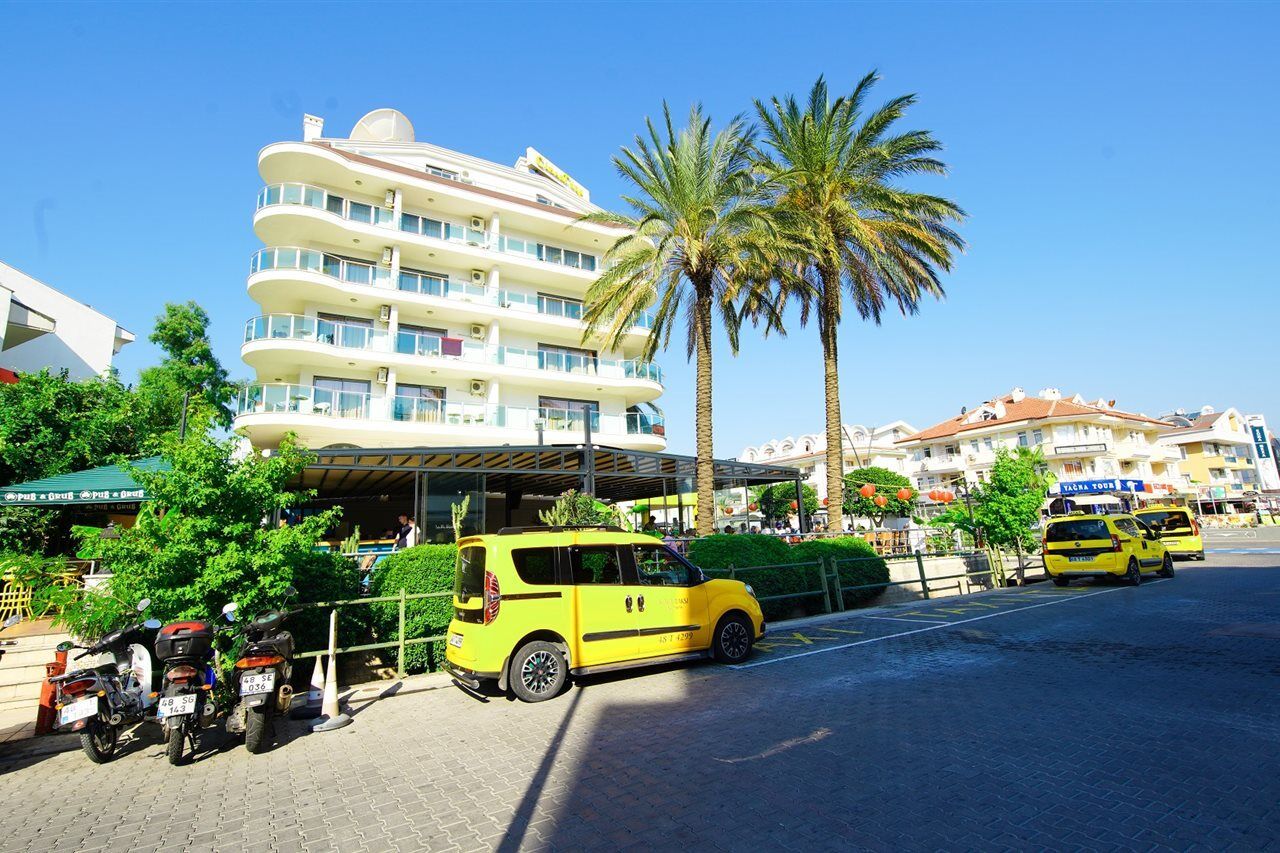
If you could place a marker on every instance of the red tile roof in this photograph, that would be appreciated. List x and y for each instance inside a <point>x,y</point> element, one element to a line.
<point>1029,408</point>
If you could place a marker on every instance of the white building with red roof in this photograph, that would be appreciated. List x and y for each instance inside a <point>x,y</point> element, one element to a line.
<point>1093,448</point>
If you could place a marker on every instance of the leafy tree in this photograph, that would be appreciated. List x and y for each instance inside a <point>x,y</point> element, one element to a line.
<point>189,367</point>
<point>1007,506</point>
<point>698,237</point>
<point>887,483</point>
<point>830,168</point>
<point>775,501</point>
<point>204,539</point>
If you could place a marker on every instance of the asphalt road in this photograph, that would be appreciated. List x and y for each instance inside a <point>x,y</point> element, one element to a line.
<point>1100,716</point>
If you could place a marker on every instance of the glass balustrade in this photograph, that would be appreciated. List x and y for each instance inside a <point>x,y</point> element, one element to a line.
<point>534,250</point>
<point>309,260</point>
<point>354,336</point>
<point>280,398</point>
<point>321,199</point>
<point>284,398</point>
<point>296,327</point>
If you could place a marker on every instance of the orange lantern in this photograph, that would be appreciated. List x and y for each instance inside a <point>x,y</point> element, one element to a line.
<point>795,505</point>
<point>826,501</point>
<point>948,497</point>
<point>904,494</point>
<point>933,494</point>
<point>728,510</point>
<point>753,507</point>
<point>867,490</point>
<point>880,501</point>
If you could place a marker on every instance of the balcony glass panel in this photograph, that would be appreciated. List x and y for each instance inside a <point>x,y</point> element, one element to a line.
<point>290,258</point>
<point>278,398</point>
<point>416,343</point>
<point>431,285</point>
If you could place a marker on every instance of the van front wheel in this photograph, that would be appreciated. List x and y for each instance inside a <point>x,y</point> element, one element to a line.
<point>732,643</point>
<point>538,671</point>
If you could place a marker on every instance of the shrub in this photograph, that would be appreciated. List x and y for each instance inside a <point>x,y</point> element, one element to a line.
<point>869,568</point>
<point>715,554</point>
<point>422,568</point>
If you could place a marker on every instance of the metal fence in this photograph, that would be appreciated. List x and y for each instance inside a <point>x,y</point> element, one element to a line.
<point>399,644</point>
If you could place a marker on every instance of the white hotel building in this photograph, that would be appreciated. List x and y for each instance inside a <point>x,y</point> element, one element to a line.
<point>415,296</point>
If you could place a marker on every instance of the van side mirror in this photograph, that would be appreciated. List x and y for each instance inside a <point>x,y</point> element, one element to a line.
<point>143,604</point>
<point>229,611</point>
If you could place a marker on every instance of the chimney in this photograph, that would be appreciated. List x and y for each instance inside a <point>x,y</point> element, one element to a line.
<point>312,127</point>
<point>1050,394</point>
<point>1017,395</point>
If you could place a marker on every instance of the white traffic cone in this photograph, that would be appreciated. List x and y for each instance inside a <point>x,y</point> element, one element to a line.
<point>315,695</point>
<point>332,716</point>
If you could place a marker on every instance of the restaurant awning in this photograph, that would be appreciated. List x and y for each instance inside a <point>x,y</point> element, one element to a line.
<point>105,484</point>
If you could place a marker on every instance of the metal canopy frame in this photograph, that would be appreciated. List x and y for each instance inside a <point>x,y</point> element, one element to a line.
<point>546,470</point>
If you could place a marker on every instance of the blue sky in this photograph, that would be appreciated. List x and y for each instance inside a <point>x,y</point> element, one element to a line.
<point>1117,162</point>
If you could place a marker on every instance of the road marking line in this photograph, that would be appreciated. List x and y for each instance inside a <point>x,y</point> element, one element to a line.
<point>932,627</point>
<point>900,619</point>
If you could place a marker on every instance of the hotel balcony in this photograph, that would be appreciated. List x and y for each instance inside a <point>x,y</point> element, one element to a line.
<point>277,343</point>
<point>284,279</point>
<point>295,213</point>
<point>323,416</point>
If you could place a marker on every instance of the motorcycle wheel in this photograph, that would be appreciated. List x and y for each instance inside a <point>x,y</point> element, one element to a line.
<point>98,740</point>
<point>256,723</point>
<point>177,740</point>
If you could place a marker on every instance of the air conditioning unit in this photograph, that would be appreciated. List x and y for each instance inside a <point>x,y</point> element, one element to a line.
<point>477,223</point>
<point>384,313</point>
<point>391,198</point>
<point>478,331</point>
<point>477,276</point>
<point>478,387</point>
<point>386,256</point>
<point>382,375</point>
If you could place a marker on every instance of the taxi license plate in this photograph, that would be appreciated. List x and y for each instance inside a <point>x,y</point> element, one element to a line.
<point>78,710</point>
<point>1081,559</point>
<point>252,684</point>
<point>455,640</point>
<point>176,706</point>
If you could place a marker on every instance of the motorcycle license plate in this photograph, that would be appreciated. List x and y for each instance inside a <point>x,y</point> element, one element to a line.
<point>263,683</point>
<point>78,710</point>
<point>176,706</point>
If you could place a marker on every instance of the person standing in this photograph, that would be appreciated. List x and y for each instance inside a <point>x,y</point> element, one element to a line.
<point>406,534</point>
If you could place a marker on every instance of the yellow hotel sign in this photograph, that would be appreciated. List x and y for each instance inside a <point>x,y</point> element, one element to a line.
<point>544,166</point>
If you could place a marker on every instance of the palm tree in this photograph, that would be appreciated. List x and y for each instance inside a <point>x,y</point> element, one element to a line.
<point>830,169</point>
<point>697,233</point>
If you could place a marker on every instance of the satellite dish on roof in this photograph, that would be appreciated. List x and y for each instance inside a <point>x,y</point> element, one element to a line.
<point>383,125</point>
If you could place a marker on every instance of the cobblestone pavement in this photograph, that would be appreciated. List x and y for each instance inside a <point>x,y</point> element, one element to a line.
<point>1101,717</point>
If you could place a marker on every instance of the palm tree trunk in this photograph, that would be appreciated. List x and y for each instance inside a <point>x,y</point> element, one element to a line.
<point>705,467</point>
<point>827,326</point>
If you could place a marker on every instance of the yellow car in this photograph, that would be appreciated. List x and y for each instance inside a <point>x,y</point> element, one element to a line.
<point>1092,546</point>
<point>1177,528</point>
<point>533,606</point>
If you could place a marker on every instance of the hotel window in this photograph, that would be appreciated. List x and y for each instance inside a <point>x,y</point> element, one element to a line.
<point>1037,437</point>
<point>1073,468</point>
<point>423,403</point>
<point>562,413</point>
<point>988,443</point>
<point>973,445</point>
<point>443,173</point>
<point>567,359</point>
<point>1022,440</point>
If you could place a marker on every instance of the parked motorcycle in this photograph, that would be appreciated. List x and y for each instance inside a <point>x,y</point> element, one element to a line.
<point>110,693</point>
<point>261,678</point>
<point>186,700</point>
<point>9,623</point>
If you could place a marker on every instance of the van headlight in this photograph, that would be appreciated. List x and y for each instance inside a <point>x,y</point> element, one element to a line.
<point>751,592</point>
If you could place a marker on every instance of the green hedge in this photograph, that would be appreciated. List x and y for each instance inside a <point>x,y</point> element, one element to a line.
<point>715,554</point>
<point>422,568</point>
<point>869,568</point>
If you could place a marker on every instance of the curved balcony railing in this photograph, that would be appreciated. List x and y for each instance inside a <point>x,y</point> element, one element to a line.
<point>322,263</point>
<point>283,398</point>
<point>355,336</point>
<point>318,198</point>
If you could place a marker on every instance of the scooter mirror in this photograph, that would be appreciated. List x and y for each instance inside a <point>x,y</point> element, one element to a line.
<point>229,611</point>
<point>290,592</point>
<point>12,620</point>
<point>64,646</point>
<point>153,624</point>
<point>143,604</point>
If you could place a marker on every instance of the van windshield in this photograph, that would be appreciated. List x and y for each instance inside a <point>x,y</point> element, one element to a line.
<point>1167,520</point>
<point>1071,531</point>
<point>469,580</point>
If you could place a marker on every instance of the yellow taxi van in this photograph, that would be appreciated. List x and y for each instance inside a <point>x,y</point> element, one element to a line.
<point>533,606</point>
<point>1081,545</point>
<point>1177,527</point>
